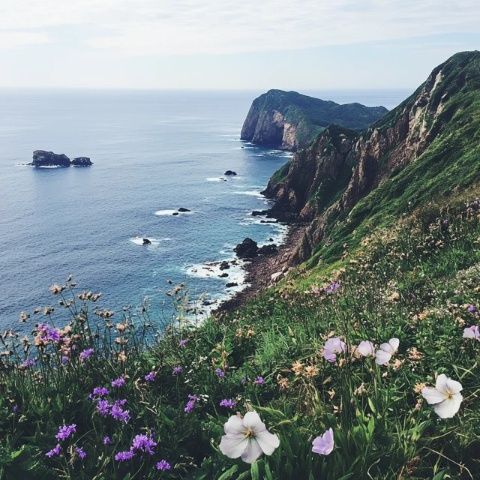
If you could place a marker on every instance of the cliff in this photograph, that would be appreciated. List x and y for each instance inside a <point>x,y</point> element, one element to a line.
<point>426,147</point>
<point>290,121</point>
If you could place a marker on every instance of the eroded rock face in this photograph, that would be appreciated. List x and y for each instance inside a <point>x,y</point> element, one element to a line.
<point>42,158</point>
<point>290,121</point>
<point>327,180</point>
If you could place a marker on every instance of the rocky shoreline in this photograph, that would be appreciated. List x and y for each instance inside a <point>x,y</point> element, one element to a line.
<point>264,270</point>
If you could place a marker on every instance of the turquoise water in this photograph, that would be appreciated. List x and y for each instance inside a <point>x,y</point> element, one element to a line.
<point>153,152</point>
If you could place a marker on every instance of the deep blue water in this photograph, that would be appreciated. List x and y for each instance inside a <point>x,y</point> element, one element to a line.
<point>152,151</point>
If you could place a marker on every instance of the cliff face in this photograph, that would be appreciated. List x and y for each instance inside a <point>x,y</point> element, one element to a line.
<point>333,182</point>
<point>289,120</point>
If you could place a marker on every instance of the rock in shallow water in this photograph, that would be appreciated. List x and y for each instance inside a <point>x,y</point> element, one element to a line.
<point>81,162</point>
<point>247,249</point>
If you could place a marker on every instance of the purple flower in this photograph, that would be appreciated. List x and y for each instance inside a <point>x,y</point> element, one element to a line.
<point>219,373</point>
<point>86,354</point>
<point>332,288</point>
<point>118,382</point>
<point>259,381</point>
<point>48,333</point>
<point>183,343</point>
<point>103,407</point>
<point>228,403</point>
<point>163,466</point>
<point>15,408</point>
<point>191,404</point>
<point>177,370</point>
<point>107,440</point>
<point>100,392</point>
<point>124,456</point>
<point>150,377</point>
<point>143,443</point>
<point>472,309</point>
<point>118,413</point>
<point>29,362</point>
<point>472,332</point>
<point>65,432</point>
<point>82,454</point>
<point>324,444</point>
<point>54,452</point>
<point>332,347</point>
<point>64,360</point>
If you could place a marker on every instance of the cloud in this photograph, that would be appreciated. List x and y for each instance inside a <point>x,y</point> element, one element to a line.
<point>186,27</point>
<point>13,39</point>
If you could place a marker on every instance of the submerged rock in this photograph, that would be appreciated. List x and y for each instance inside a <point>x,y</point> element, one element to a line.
<point>247,249</point>
<point>82,162</point>
<point>42,158</point>
<point>224,265</point>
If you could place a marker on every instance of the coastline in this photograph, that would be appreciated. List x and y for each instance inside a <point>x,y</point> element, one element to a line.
<point>260,269</point>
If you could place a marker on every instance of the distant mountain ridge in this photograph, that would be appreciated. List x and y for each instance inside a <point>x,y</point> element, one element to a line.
<point>290,120</point>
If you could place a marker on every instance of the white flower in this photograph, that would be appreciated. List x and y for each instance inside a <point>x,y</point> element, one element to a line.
<point>247,438</point>
<point>387,351</point>
<point>445,397</point>
<point>366,348</point>
<point>472,332</point>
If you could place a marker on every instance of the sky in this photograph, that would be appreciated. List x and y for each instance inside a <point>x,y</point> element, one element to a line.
<point>231,44</point>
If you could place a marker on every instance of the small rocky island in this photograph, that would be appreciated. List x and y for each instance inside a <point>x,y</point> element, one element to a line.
<point>42,158</point>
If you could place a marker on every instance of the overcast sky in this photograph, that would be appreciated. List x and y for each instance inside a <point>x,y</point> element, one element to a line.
<point>231,44</point>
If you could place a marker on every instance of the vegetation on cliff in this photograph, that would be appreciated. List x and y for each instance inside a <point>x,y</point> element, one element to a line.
<point>353,340</point>
<point>290,121</point>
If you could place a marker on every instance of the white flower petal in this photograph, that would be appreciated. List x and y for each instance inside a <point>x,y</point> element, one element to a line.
<point>234,425</point>
<point>382,357</point>
<point>394,343</point>
<point>453,386</point>
<point>233,445</point>
<point>441,384</point>
<point>366,348</point>
<point>252,452</point>
<point>386,347</point>
<point>432,395</point>
<point>268,441</point>
<point>449,407</point>
<point>252,420</point>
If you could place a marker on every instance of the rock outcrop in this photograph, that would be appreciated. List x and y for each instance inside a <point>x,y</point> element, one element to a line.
<point>324,184</point>
<point>247,249</point>
<point>43,158</point>
<point>290,121</point>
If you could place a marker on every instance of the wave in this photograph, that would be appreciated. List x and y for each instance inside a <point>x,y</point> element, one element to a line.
<point>251,193</point>
<point>170,212</point>
<point>154,241</point>
<point>216,179</point>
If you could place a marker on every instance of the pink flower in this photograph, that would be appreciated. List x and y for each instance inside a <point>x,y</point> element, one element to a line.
<point>323,445</point>
<point>366,348</point>
<point>472,332</point>
<point>332,347</point>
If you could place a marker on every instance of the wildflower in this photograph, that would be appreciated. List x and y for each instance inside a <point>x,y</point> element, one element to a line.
<point>297,367</point>
<point>472,309</point>
<point>150,377</point>
<point>323,445</point>
<point>472,332</point>
<point>46,333</point>
<point>64,360</point>
<point>56,289</point>
<point>86,354</point>
<point>361,390</point>
<point>124,456</point>
<point>228,403</point>
<point>82,454</point>
<point>419,387</point>
<point>118,382</point>
<point>103,407</point>
<point>259,381</point>
<point>394,297</point>
<point>191,404</point>
<point>332,347</point>
<point>118,413</point>
<point>311,371</point>
<point>414,354</point>
<point>122,357</point>
<point>247,437</point>
<point>54,452</point>
<point>143,443</point>
<point>386,351</point>
<point>445,396</point>
<point>65,431</point>
<point>332,288</point>
<point>100,392</point>
<point>163,466</point>
<point>283,383</point>
<point>183,343</point>
<point>107,440</point>
<point>177,370</point>
<point>29,362</point>
<point>366,348</point>
<point>219,373</point>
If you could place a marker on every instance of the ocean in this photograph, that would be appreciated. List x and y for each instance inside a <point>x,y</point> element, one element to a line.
<point>153,152</point>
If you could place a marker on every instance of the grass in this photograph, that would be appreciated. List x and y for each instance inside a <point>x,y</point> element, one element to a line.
<point>413,281</point>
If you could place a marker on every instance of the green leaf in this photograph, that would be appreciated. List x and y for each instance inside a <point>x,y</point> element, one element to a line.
<point>229,473</point>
